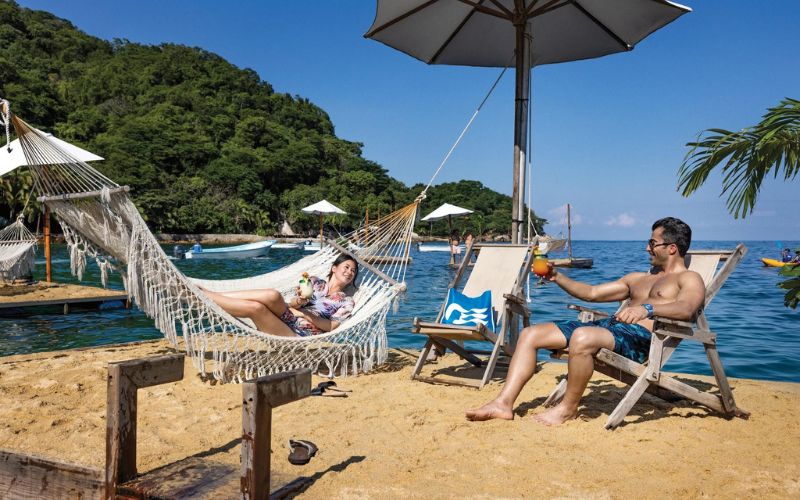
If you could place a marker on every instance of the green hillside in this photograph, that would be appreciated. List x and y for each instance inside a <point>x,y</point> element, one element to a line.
<point>205,146</point>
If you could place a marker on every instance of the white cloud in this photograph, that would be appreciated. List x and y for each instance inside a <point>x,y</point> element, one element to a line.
<point>558,216</point>
<point>622,220</point>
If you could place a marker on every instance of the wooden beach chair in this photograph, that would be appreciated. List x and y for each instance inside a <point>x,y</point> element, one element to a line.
<point>667,335</point>
<point>503,269</point>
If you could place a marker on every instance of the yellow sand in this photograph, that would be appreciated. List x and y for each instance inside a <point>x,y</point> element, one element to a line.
<point>394,438</point>
<point>47,291</point>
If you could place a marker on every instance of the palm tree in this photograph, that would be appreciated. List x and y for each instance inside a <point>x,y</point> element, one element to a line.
<point>771,146</point>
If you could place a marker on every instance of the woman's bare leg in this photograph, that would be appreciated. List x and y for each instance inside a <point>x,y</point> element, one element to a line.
<point>267,296</point>
<point>522,368</point>
<point>264,317</point>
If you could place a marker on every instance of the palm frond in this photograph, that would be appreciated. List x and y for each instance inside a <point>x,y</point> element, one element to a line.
<point>747,157</point>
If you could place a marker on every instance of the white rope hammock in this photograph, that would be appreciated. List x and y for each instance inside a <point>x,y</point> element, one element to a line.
<point>17,251</point>
<point>100,221</point>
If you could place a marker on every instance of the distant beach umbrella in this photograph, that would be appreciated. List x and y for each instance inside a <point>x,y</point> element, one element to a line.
<point>447,211</point>
<point>323,208</point>
<point>530,32</point>
<point>12,157</point>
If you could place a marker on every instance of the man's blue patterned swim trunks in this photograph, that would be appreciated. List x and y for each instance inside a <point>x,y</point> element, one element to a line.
<point>630,340</point>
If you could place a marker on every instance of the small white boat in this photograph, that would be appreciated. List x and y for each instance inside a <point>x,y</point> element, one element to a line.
<point>312,246</point>
<point>438,248</point>
<point>287,246</point>
<point>245,251</point>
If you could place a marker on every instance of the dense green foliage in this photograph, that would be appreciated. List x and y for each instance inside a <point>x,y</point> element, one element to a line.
<point>205,146</point>
<point>747,157</point>
<point>792,285</point>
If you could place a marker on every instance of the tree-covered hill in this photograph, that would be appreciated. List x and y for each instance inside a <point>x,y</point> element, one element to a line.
<point>205,146</point>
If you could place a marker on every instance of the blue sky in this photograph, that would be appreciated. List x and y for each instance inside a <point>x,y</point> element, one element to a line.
<point>608,134</point>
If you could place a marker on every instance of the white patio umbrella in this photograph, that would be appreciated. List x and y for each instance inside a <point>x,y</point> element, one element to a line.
<point>447,211</point>
<point>534,32</point>
<point>323,208</point>
<point>11,155</point>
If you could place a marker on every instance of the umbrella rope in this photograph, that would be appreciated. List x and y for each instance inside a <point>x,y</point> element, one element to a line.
<point>464,131</point>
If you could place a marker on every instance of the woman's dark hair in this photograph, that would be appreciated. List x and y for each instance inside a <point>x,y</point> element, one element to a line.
<point>675,231</point>
<point>344,257</point>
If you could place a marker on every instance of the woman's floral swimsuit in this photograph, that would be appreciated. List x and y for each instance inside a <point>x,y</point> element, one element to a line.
<point>336,306</point>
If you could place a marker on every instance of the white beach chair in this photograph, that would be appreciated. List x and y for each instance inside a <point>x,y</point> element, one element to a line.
<point>503,269</point>
<point>667,335</point>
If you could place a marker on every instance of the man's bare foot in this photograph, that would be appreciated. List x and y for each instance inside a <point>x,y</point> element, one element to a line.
<point>489,411</point>
<point>556,415</point>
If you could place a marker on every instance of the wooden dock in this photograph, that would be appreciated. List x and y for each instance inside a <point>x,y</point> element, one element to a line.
<point>59,296</point>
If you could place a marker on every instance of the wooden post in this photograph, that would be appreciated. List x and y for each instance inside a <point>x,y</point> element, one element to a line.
<point>124,379</point>
<point>521,92</point>
<point>47,261</point>
<point>259,397</point>
<point>569,235</point>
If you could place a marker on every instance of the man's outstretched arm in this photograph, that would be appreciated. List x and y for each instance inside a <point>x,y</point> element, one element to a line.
<point>606,292</point>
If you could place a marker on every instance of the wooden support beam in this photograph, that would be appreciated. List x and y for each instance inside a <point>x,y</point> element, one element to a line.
<point>260,396</point>
<point>25,476</point>
<point>124,380</point>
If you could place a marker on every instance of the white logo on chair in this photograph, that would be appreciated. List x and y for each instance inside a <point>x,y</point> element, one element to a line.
<point>469,311</point>
<point>471,316</point>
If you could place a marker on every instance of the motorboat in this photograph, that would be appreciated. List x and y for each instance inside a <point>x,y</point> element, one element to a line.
<point>312,246</point>
<point>248,250</point>
<point>288,246</point>
<point>438,248</point>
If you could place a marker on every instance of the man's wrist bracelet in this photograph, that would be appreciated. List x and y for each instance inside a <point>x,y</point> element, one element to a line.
<point>649,309</point>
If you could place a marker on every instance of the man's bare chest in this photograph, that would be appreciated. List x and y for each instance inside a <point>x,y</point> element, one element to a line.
<point>655,288</point>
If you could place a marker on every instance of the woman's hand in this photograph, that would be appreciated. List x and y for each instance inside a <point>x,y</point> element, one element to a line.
<point>297,302</point>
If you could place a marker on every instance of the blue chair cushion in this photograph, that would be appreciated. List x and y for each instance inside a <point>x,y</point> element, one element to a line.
<point>469,311</point>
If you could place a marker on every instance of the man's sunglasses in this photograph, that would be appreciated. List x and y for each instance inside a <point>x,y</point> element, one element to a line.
<point>654,243</point>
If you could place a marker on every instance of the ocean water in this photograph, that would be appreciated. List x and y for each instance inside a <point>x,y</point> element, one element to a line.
<point>757,336</point>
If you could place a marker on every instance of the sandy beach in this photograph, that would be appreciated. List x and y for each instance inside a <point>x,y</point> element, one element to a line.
<point>394,438</point>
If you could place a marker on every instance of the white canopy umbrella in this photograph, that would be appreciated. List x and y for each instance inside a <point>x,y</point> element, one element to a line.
<point>11,156</point>
<point>323,208</point>
<point>532,32</point>
<point>447,211</point>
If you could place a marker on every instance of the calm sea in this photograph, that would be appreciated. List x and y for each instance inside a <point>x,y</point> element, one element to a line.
<point>757,336</point>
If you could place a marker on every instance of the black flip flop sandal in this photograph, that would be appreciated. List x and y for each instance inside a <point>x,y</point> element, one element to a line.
<point>329,385</point>
<point>302,451</point>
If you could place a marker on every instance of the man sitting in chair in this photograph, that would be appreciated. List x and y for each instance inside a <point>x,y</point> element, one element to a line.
<point>669,290</point>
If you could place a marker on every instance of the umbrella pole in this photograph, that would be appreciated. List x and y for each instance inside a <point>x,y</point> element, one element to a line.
<point>47,264</point>
<point>521,93</point>
<point>450,239</point>
<point>320,231</point>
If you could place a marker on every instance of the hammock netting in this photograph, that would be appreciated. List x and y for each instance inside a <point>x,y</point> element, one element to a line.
<point>101,222</point>
<point>17,251</point>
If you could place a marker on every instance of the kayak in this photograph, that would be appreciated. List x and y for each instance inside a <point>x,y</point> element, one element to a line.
<point>773,262</point>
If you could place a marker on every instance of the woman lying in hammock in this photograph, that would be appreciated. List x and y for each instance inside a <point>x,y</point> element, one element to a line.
<point>331,303</point>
